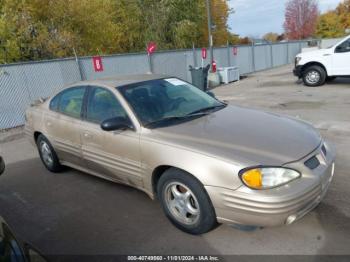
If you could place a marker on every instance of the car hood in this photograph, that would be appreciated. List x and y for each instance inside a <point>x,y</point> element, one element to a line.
<point>243,135</point>
<point>318,52</point>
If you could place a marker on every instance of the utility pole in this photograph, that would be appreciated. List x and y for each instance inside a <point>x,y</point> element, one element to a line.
<point>210,36</point>
<point>78,64</point>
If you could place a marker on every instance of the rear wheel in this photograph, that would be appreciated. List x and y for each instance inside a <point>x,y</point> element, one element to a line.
<point>314,76</point>
<point>185,202</point>
<point>48,155</point>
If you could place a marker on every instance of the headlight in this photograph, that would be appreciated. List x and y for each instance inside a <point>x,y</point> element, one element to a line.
<point>297,60</point>
<point>267,177</point>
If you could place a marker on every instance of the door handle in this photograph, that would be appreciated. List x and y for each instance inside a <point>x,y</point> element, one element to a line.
<point>326,54</point>
<point>87,135</point>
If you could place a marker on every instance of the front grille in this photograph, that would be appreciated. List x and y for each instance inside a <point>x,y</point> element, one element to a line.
<point>312,162</point>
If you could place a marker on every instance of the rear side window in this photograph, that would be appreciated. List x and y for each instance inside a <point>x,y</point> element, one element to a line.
<point>54,103</point>
<point>71,101</point>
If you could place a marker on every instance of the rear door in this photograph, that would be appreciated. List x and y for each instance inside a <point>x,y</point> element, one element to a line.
<point>63,124</point>
<point>114,154</point>
<point>341,59</point>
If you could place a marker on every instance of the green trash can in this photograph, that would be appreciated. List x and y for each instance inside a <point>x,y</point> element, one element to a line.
<point>200,77</point>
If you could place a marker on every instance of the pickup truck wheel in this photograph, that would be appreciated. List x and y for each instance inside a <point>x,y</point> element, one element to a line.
<point>185,202</point>
<point>314,76</point>
<point>48,155</point>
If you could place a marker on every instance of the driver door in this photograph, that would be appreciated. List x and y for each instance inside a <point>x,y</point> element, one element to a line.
<point>341,59</point>
<point>116,154</point>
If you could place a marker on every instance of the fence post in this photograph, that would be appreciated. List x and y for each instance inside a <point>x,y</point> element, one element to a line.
<point>271,56</point>
<point>150,63</point>
<point>228,54</point>
<point>79,66</point>
<point>287,53</point>
<point>253,56</point>
<point>194,55</point>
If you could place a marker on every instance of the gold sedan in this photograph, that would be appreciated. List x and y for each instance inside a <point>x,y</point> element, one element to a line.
<point>206,162</point>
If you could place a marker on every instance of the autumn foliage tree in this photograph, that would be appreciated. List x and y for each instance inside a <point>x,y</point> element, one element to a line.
<point>329,25</point>
<point>220,13</point>
<point>45,29</point>
<point>300,19</point>
<point>271,37</point>
<point>334,22</point>
<point>343,10</point>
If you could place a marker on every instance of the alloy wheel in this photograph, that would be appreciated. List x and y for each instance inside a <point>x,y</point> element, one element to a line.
<point>182,203</point>
<point>46,153</point>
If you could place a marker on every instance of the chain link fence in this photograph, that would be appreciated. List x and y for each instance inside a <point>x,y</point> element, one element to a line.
<point>23,83</point>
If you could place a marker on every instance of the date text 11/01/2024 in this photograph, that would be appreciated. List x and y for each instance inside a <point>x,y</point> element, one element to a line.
<point>174,258</point>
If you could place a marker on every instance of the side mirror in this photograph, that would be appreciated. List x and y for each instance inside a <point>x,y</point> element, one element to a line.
<point>116,123</point>
<point>2,165</point>
<point>211,94</point>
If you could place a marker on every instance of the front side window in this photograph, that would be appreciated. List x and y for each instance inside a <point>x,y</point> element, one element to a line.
<point>71,101</point>
<point>163,99</point>
<point>103,105</point>
<point>343,47</point>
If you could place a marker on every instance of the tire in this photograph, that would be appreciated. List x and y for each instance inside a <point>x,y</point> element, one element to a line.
<point>314,76</point>
<point>48,155</point>
<point>190,208</point>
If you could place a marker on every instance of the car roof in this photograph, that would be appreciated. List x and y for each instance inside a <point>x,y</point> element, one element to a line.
<point>122,80</point>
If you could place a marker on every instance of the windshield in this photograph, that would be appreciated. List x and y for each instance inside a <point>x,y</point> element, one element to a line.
<point>333,45</point>
<point>167,99</point>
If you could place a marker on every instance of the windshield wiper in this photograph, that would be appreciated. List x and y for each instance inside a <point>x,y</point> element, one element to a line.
<point>173,118</point>
<point>206,109</point>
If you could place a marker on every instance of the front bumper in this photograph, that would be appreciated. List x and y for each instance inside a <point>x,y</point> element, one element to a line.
<point>298,71</point>
<point>278,206</point>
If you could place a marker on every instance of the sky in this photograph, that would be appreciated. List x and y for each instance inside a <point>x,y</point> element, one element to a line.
<point>254,18</point>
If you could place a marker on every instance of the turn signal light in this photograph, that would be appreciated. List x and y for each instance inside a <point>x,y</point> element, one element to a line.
<point>253,178</point>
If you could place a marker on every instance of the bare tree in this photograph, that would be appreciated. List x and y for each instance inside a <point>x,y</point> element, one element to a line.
<point>300,18</point>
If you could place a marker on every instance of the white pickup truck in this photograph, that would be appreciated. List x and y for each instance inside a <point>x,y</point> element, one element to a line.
<point>315,67</point>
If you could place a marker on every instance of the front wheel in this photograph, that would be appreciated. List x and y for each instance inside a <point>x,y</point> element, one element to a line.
<point>48,155</point>
<point>314,76</point>
<point>185,202</point>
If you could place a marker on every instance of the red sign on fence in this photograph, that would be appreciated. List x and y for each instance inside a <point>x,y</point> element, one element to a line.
<point>204,53</point>
<point>235,50</point>
<point>97,62</point>
<point>213,66</point>
<point>151,47</point>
